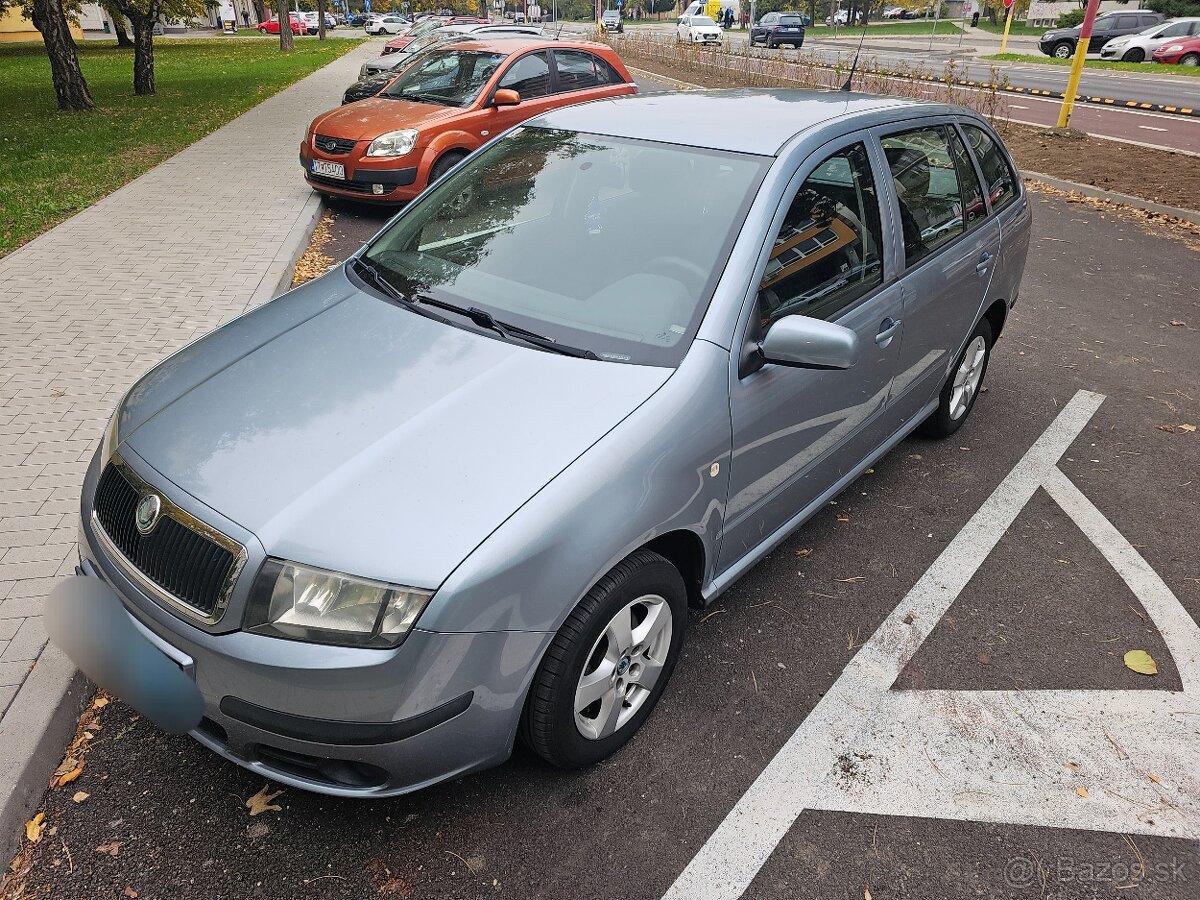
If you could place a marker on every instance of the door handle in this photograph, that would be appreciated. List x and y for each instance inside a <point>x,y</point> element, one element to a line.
<point>887,331</point>
<point>984,261</point>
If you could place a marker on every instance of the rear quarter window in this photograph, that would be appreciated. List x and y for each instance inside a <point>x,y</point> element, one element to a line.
<point>1001,180</point>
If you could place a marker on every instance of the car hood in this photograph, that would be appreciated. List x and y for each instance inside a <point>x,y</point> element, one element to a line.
<point>365,438</point>
<point>371,118</point>
<point>1061,33</point>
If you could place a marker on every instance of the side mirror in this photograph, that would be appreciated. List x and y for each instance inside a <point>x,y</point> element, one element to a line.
<point>810,343</point>
<point>505,97</point>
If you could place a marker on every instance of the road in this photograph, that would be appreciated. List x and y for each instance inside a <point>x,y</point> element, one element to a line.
<point>1024,802</point>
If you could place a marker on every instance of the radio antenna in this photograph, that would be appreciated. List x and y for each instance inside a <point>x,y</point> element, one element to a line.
<point>854,65</point>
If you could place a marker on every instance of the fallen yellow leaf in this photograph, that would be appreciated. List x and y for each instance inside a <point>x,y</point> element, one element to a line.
<point>261,802</point>
<point>72,775</point>
<point>1082,792</point>
<point>1141,662</point>
<point>80,796</point>
<point>1153,777</point>
<point>866,893</point>
<point>842,517</point>
<point>1188,427</point>
<point>33,828</point>
<point>100,703</point>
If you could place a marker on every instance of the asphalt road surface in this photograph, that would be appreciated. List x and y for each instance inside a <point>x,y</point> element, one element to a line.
<point>1040,794</point>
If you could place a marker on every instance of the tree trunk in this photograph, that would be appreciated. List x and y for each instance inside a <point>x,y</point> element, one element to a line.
<point>320,20</point>
<point>143,55</point>
<point>287,40</point>
<point>123,39</point>
<point>70,87</point>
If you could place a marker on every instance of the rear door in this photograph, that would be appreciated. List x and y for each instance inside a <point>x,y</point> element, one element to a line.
<point>949,248</point>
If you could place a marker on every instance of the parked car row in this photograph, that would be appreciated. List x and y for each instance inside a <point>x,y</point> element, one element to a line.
<point>1061,42</point>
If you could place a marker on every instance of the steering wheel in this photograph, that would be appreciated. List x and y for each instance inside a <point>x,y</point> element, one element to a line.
<point>673,266</point>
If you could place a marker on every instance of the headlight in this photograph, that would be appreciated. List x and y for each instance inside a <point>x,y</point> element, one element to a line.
<point>111,438</point>
<point>1174,47</point>
<point>394,143</point>
<point>305,604</point>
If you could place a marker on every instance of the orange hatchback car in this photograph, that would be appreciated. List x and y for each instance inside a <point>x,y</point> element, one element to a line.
<point>453,101</point>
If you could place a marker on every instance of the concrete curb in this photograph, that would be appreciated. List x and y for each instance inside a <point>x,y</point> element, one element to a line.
<point>38,725</point>
<point>278,277</point>
<point>1187,215</point>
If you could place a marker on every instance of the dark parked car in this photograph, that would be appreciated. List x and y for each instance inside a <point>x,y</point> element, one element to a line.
<point>357,19</point>
<point>1061,42</point>
<point>776,28</point>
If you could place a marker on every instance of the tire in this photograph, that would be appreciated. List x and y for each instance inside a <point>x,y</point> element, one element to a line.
<point>1192,59</point>
<point>262,29</point>
<point>1063,50</point>
<point>551,725</point>
<point>951,411</point>
<point>1134,54</point>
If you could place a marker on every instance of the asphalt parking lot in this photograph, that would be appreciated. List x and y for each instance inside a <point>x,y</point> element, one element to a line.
<point>801,696</point>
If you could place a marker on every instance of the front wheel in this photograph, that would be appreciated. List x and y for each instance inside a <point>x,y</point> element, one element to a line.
<point>1192,59</point>
<point>962,387</point>
<point>608,664</point>
<point>1135,54</point>
<point>1063,50</point>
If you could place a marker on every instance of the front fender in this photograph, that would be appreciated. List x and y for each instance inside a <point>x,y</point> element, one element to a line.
<point>664,468</point>
<point>450,140</point>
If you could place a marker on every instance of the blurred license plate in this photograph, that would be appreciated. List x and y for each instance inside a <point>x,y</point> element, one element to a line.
<point>328,169</point>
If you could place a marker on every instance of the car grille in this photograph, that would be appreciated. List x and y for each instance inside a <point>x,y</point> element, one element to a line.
<point>332,145</point>
<point>188,565</point>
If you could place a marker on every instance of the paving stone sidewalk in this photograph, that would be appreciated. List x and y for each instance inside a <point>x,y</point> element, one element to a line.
<point>92,303</point>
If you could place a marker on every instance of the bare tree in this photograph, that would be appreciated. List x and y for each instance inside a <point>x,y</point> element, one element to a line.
<point>320,20</point>
<point>70,87</point>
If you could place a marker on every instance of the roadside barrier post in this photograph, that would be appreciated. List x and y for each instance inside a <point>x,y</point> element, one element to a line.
<point>1085,34</point>
<point>1007,24</point>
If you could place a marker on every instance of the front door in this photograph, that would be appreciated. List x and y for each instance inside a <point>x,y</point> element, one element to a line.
<point>796,431</point>
<point>950,251</point>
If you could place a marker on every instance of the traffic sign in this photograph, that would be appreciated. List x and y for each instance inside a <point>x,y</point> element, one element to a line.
<point>1008,4</point>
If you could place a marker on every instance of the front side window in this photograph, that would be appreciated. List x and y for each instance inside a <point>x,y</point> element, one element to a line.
<point>446,78</point>
<point>927,188</point>
<point>827,253</point>
<point>529,76</point>
<point>605,244</point>
<point>1001,182</point>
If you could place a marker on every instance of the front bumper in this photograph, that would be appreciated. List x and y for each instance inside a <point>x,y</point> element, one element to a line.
<point>399,185</point>
<point>336,720</point>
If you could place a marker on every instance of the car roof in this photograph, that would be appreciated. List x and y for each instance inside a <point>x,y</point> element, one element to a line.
<point>501,43</point>
<point>766,119</point>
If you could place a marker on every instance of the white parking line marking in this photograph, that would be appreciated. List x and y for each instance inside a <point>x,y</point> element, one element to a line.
<point>994,756</point>
<point>1151,128</point>
<point>1018,106</point>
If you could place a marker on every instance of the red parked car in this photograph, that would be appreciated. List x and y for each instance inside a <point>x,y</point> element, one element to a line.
<point>1185,52</point>
<point>400,41</point>
<point>271,26</point>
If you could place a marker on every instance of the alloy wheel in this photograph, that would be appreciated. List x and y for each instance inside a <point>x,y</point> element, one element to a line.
<point>967,378</point>
<point>623,666</point>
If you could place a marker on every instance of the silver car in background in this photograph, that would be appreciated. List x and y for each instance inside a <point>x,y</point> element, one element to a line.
<point>463,488</point>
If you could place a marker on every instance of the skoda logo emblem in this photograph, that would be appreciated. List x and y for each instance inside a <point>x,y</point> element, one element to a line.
<point>146,515</point>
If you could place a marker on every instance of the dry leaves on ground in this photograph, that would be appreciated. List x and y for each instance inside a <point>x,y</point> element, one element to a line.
<point>1141,662</point>
<point>261,802</point>
<point>1082,792</point>
<point>35,826</point>
<point>315,263</point>
<point>113,848</point>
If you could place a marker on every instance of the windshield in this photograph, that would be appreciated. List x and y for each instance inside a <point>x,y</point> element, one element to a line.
<point>448,78</point>
<point>702,20</point>
<point>605,244</point>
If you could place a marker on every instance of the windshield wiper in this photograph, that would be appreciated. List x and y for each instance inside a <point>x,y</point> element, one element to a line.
<point>361,266</point>
<point>425,98</point>
<point>485,319</point>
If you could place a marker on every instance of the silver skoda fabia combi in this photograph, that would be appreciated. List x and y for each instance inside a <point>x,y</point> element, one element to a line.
<point>462,489</point>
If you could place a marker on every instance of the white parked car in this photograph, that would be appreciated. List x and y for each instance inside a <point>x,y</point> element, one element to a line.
<point>699,30</point>
<point>1139,47</point>
<point>387,25</point>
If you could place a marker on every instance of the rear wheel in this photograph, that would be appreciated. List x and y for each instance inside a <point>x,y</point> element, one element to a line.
<point>1192,59</point>
<point>1134,54</point>
<point>1064,50</point>
<point>962,387</point>
<point>608,664</point>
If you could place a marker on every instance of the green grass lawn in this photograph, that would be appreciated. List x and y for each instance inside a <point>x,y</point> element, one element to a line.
<point>914,27</point>
<point>1017,28</point>
<point>57,163</point>
<point>1141,68</point>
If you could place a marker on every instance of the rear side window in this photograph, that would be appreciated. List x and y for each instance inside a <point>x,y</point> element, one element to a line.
<point>827,253</point>
<point>927,188</point>
<point>1127,22</point>
<point>974,210</point>
<point>578,70</point>
<point>1177,30</point>
<point>999,176</point>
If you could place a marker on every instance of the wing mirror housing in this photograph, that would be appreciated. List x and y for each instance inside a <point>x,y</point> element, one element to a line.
<point>505,97</point>
<point>809,343</point>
